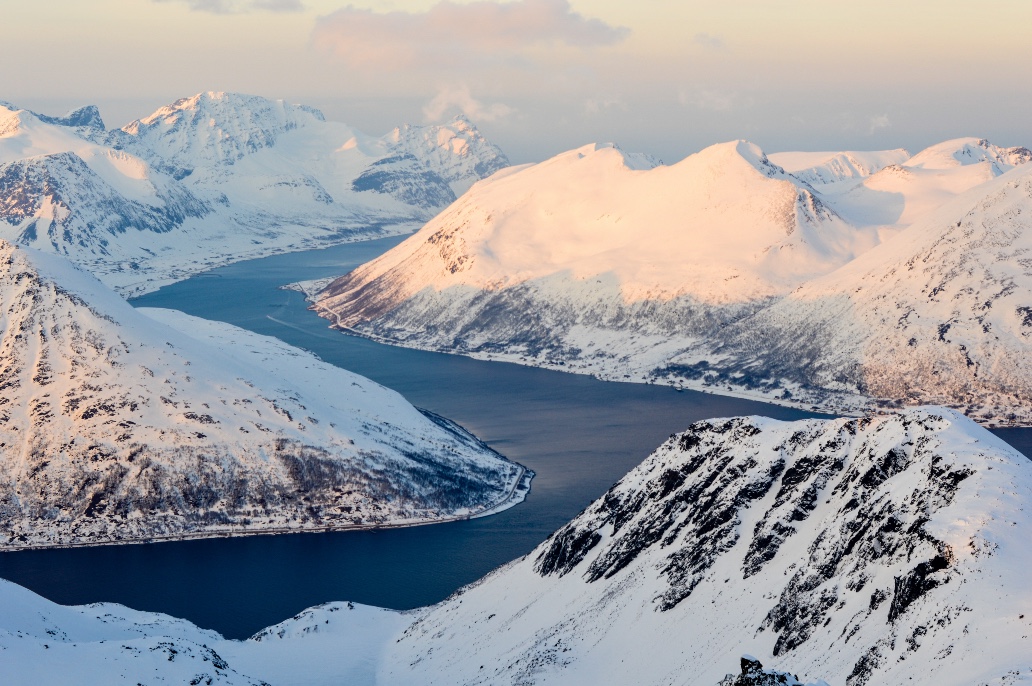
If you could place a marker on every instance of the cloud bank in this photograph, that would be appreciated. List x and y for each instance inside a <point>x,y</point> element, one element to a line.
<point>240,6</point>
<point>450,34</point>
<point>452,98</point>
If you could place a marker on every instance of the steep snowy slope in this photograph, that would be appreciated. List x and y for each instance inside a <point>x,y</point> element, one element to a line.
<point>600,241</point>
<point>820,168</point>
<point>114,427</point>
<point>886,550</point>
<point>219,177</point>
<point>940,314</point>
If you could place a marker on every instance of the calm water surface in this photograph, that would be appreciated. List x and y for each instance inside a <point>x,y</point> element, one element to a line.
<point>579,435</point>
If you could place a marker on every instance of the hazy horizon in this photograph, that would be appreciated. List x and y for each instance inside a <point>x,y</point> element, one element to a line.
<point>543,76</point>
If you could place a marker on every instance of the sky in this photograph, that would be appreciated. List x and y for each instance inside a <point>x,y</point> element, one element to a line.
<point>543,76</point>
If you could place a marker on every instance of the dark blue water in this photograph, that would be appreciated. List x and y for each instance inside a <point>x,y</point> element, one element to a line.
<point>579,435</point>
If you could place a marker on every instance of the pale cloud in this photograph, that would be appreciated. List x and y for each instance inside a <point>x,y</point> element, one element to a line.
<point>450,34</point>
<point>458,98</point>
<point>879,122</point>
<point>599,105</point>
<point>240,6</point>
<point>708,41</point>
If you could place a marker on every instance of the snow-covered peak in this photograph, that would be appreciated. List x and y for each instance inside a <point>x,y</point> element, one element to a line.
<point>733,157</point>
<point>594,230</point>
<point>218,128</point>
<point>901,193</point>
<point>820,168</point>
<point>607,154</point>
<point>456,151</point>
<point>87,117</point>
<point>968,151</point>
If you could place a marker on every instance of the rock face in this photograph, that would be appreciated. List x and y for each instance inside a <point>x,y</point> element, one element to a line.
<point>115,427</point>
<point>217,177</point>
<point>888,549</point>
<point>753,674</point>
<point>904,285</point>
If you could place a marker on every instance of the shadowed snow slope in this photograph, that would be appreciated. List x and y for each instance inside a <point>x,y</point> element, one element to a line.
<point>725,272</point>
<point>886,550</point>
<point>231,175</point>
<point>116,427</point>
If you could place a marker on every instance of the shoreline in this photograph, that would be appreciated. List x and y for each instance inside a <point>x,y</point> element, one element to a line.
<point>859,407</point>
<point>517,492</point>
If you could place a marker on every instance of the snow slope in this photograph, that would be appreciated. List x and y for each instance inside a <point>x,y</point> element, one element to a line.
<point>47,644</point>
<point>116,427</point>
<point>900,194</point>
<point>219,177</point>
<point>724,272</point>
<point>940,314</point>
<point>885,550</point>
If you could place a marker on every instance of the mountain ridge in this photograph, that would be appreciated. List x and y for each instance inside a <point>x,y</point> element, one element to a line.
<point>736,303</point>
<point>261,175</point>
<point>117,426</point>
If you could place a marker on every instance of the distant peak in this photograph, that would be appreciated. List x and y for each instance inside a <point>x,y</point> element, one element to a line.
<point>223,101</point>
<point>88,116</point>
<point>964,151</point>
<point>736,152</point>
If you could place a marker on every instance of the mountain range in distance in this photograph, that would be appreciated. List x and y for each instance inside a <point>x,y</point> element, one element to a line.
<point>220,177</point>
<point>839,281</point>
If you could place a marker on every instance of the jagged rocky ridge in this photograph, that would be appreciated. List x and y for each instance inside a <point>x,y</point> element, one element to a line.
<point>904,286</point>
<point>889,549</point>
<point>117,427</point>
<point>230,175</point>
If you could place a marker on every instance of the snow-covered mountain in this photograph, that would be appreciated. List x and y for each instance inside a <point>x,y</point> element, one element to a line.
<point>883,550</point>
<point>820,168</point>
<point>940,314</point>
<point>726,272</point>
<point>597,240</point>
<point>116,426</point>
<point>900,194</point>
<point>219,177</point>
